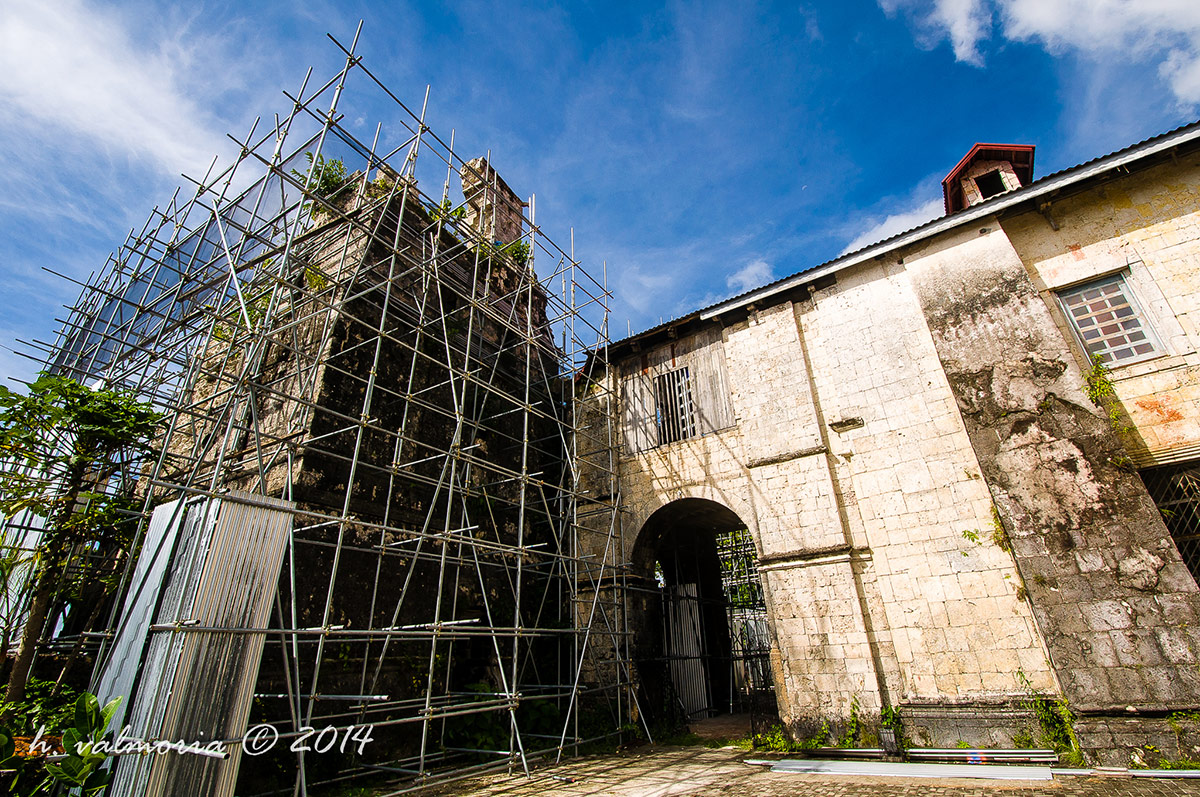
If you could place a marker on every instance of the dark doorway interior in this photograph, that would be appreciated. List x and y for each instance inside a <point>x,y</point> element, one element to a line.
<point>701,639</point>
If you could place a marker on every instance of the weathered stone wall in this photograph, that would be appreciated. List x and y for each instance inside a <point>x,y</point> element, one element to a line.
<point>1148,227</point>
<point>853,470</point>
<point>945,522</point>
<point>491,206</point>
<point>1114,602</point>
<point>392,389</point>
<point>959,629</point>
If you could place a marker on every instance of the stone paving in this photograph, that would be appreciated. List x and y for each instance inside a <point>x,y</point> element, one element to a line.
<point>705,772</point>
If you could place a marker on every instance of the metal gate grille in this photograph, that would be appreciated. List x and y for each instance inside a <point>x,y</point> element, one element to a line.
<point>748,630</point>
<point>1176,491</point>
<point>687,651</point>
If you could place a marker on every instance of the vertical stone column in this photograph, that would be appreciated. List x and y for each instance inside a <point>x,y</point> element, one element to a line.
<point>493,209</point>
<point>1119,611</point>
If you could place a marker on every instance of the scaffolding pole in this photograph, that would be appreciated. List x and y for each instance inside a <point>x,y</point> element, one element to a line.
<point>409,376</point>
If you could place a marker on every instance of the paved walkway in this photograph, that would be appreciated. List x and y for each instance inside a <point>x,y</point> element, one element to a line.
<point>703,772</point>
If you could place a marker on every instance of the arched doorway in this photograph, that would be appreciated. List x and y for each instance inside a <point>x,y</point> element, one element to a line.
<point>699,619</point>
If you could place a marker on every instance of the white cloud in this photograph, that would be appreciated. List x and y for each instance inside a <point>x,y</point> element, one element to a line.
<point>1166,32</point>
<point>645,289</point>
<point>751,275</point>
<point>967,22</point>
<point>70,66</point>
<point>897,223</point>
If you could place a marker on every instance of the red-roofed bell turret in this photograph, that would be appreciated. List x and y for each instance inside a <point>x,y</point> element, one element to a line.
<point>987,170</point>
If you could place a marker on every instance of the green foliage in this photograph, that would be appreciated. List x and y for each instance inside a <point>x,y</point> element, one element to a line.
<point>81,768</point>
<point>256,311</point>
<point>961,745</point>
<point>889,717</point>
<point>324,177</point>
<point>743,587</point>
<point>1180,722</point>
<point>777,740</point>
<point>1023,740</point>
<point>1123,463</point>
<point>315,279</point>
<point>446,212</point>
<point>999,536</point>
<point>1098,386</point>
<point>1097,383</point>
<point>853,729</point>
<point>1177,719</point>
<point>381,187</point>
<point>59,448</point>
<point>680,738</point>
<point>996,534</point>
<point>60,431</point>
<point>1055,723</point>
<point>42,708</point>
<point>818,739</point>
<point>688,739</point>
<point>101,419</point>
<point>517,252</point>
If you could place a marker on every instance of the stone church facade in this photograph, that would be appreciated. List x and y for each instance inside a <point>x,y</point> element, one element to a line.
<point>948,497</point>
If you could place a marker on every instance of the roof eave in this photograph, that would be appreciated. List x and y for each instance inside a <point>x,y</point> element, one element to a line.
<point>1042,188</point>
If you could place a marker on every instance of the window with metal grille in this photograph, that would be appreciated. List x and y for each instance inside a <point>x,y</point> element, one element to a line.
<point>676,412</point>
<point>1108,321</point>
<point>1176,491</point>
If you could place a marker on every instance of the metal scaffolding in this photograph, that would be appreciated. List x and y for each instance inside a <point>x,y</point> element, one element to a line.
<point>401,376</point>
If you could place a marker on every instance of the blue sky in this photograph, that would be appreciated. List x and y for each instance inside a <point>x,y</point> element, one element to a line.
<point>700,149</point>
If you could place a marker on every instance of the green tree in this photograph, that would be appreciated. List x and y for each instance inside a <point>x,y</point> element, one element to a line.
<point>324,178</point>
<point>14,576</point>
<point>60,445</point>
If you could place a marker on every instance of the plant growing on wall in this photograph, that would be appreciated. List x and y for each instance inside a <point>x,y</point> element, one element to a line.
<point>59,446</point>
<point>1056,723</point>
<point>1098,385</point>
<point>518,252</point>
<point>446,212</point>
<point>328,175</point>
<point>324,178</point>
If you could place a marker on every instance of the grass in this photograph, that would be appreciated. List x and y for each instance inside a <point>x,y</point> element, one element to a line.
<point>688,739</point>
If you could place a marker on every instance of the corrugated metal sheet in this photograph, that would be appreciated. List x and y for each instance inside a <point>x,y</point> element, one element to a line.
<point>685,649</point>
<point>195,684</point>
<point>896,770</point>
<point>120,671</point>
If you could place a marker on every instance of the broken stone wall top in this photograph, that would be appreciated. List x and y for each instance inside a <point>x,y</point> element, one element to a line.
<point>492,207</point>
